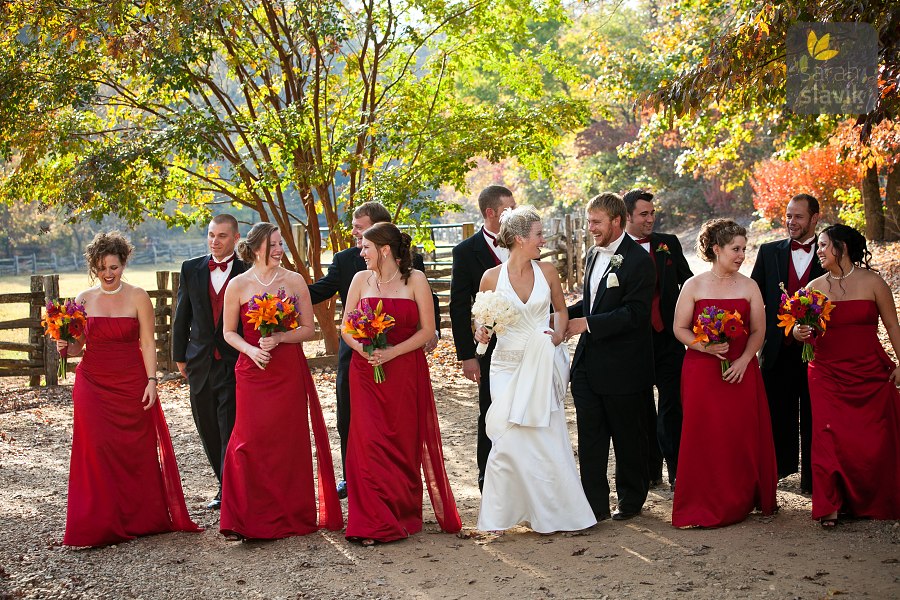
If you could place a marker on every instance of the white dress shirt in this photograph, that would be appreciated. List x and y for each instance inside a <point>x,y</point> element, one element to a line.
<point>218,277</point>
<point>802,258</point>
<point>602,256</point>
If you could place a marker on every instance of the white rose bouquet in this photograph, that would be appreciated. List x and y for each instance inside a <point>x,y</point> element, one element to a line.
<point>495,312</point>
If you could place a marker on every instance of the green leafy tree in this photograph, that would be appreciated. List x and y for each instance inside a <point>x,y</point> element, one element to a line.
<point>738,68</point>
<point>296,111</point>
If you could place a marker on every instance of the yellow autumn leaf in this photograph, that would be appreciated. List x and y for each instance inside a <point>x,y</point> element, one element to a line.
<point>811,40</point>
<point>818,47</point>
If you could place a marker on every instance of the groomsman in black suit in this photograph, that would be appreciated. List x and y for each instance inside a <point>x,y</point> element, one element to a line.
<point>471,258</point>
<point>198,348</point>
<point>612,371</point>
<point>792,262</point>
<point>344,266</point>
<point>672,271</point>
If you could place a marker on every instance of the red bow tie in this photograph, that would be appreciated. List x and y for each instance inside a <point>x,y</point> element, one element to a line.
<point>645,240</point>
<point>492,236</point>
<point>795,245</point>
<point>213,265</point>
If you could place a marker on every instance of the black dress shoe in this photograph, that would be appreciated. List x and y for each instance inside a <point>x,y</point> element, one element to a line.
<point>214,504</point>
<point>342,489</point>
<point>656,482</point>
<point>620,515</point>
<point>602,517</point>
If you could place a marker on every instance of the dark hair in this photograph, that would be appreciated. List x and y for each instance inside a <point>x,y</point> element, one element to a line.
<point>717,232</point>
<point>105,244</point>
<point>376,212</point>
<point>388,234</point>
<point>491,196</point>
<point>609,203</point>
<point>846,240</point>
<point>517,221</point>
<point>811,202</point>
<point>259,234</point>
<point>630,199</point>
<point>226,218</point>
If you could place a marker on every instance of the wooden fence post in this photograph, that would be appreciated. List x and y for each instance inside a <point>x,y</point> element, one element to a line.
<point>176,283</point>
<point>162,327</point>
<point>570,254</point>
<point>35,333</point>
<point>468,230</point>
<point>51,356</point>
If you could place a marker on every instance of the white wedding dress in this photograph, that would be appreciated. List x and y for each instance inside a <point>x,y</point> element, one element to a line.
<point>531,477</point>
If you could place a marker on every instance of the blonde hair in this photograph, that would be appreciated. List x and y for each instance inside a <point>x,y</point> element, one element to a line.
<point>259,235</point>
<point>516,222</point>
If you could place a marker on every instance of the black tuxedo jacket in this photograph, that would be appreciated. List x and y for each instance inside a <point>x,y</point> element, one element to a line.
<point>195,335</point>
<point>619,347</point>
<point>471,258</point>
<point>672,271</point>
<point>344,267</point>
<point>771,269</point>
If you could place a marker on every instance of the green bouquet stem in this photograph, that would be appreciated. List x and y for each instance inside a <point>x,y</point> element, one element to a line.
<point>61,370</point>
<point>726,364</point>
<point>378,370</point>
<point>808,353</point>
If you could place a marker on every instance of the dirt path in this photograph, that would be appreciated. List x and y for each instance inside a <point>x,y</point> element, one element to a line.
<point>786,556</point>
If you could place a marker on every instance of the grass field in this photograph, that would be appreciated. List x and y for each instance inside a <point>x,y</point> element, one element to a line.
<point>70,284</point>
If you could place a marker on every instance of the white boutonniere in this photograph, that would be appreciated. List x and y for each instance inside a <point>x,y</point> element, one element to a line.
<point>612,281</point>
<point>615,261</point>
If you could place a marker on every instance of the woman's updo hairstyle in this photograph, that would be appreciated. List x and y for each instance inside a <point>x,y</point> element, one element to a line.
<point>717,232</point>
<point>846,240</point>
<point>388,234</point>
<point>250,245</point>
<point>105,244</point>
<point>516,221</point>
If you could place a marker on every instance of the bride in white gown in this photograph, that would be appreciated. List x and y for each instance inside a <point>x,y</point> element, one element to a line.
<point>531,477</point>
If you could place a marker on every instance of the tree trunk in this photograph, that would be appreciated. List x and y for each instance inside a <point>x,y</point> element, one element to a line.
<point>871,195</point>
<point>325,316</point>
<point>892,202</point>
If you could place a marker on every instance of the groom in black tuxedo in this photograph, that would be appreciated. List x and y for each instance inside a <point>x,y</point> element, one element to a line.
<point>198,348</point>
<point>471,258</point>
<point>792,262</point>
<point>344,266</point>
<point>612,371</point>
<point>672,271</point>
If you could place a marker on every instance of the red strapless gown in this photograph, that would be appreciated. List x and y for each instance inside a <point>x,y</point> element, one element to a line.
<point>123,479</point>
<point>726,464</point>
<point>268,488</point>
<point>856,418</point>
<point>394,437</point>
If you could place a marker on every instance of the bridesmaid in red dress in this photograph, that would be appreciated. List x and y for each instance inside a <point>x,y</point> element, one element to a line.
<point>394,434</point>
<point>123,479</point>
<point>268,485</point>
<point>853,387</point>
<point>726,463</point>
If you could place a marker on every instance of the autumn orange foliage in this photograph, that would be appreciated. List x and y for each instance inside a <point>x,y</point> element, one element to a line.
<point>817,171</point>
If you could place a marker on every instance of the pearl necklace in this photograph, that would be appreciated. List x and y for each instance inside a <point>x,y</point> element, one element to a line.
<point>717,276</point>
<point>110,293</point>
<point>829,275</point>
<point>261,282</point>
<point>378,283</point>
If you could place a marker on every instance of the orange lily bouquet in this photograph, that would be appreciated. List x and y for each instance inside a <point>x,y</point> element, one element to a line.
<point>370,328</point>
<point>716,326</point>
<point>64,320</point>
<point>806,307</point>
<point>269,313</point>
